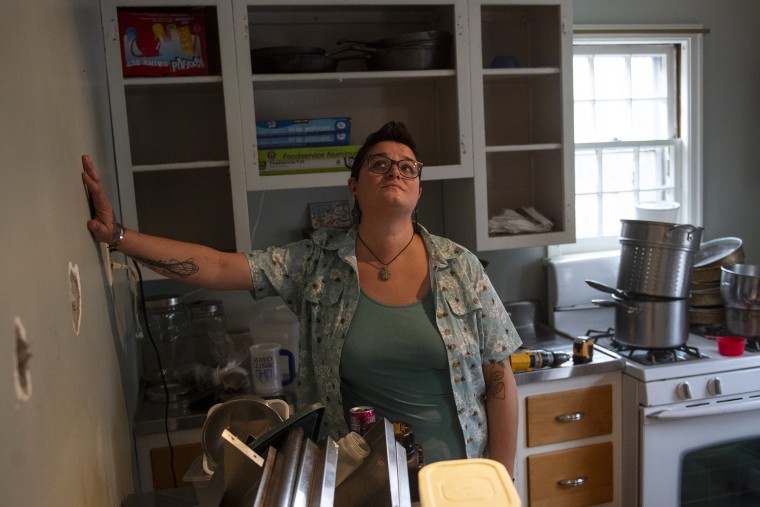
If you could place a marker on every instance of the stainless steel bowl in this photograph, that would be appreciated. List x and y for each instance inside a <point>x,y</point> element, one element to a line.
<point>740,286</point>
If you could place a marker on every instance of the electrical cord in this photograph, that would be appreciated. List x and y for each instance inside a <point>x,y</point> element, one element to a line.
<point>144,311</point>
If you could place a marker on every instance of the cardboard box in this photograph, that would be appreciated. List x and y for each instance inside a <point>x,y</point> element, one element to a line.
<point>163,43</point>
<point>284,128</point>
<point>306,160</point>
<point>326,139</point>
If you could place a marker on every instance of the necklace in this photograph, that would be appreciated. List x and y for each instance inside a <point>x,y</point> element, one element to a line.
<point>384,274</point>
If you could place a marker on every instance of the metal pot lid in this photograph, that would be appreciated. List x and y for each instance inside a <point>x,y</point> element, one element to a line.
<point>717,252</point>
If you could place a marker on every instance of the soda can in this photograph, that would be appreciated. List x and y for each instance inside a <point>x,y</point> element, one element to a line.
<point>362,418</point>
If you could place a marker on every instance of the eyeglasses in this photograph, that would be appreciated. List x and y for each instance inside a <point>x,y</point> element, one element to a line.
<point>380,164</point>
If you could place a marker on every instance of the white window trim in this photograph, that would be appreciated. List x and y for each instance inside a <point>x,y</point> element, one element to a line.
<point>689,37</point>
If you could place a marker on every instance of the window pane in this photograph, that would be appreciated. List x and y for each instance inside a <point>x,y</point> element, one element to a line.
<point>654,169</point>
<point>583,81</point>
<point>586,216</point>
<point>648,77</point>
<point>650,119</point>
<point>611,77</point>
<point>586,172</point>
<point>613,120</point>
<point>618,171</point>
<point>584,122</point>
<point>614,208</point>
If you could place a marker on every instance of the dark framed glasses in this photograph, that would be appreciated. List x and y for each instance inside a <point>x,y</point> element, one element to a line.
<point>380,164</point>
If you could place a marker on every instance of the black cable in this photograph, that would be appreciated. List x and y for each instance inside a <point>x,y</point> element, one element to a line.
<point>160,370</point>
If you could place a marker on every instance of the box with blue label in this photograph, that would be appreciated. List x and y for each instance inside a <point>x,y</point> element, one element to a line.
<point>296,141</point>
<point>309,126</point>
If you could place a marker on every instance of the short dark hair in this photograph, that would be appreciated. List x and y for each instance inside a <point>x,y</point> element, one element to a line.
<point>392,131</point>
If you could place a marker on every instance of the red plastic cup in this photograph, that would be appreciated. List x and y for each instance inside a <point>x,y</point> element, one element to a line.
<point>731,345</point>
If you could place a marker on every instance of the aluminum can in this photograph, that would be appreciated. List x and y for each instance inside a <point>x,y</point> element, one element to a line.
<point>361,419</point>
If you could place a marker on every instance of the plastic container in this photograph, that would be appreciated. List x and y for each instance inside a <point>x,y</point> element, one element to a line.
<point>169,323</point>
<point>273,322</point>
<point>731,345</point>
<point>352,451</point>
<point>467,483</point>
<point>658,211</point>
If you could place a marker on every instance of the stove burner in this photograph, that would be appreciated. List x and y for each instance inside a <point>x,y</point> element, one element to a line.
<point>645,356</point>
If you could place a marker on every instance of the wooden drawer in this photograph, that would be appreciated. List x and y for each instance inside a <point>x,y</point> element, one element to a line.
<point>568,415</point>
<point>550,477</point>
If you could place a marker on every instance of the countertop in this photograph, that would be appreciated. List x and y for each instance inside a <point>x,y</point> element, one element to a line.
<point>542,337</point>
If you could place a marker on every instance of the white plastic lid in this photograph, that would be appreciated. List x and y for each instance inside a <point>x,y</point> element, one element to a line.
<point>467,483</point>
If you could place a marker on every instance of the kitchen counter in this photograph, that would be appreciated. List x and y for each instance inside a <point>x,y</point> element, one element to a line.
<point>538,336</point>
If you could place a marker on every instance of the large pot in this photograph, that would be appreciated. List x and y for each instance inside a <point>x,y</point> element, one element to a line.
<point>651,323</point>
<point>743,322</point>
<point>657,258</point>
<point>740,286</point>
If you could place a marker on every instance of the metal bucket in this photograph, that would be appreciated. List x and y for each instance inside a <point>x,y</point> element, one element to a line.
<point>657,258</point>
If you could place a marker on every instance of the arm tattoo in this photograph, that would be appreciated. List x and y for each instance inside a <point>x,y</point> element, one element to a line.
<point>496,388</point>
<point>183,269</point>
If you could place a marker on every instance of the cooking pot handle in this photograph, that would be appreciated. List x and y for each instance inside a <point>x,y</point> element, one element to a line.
<point>606,303</point>
<point>691,230</point>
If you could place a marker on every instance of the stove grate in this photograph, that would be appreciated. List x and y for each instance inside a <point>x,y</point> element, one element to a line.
<point>642,355</point>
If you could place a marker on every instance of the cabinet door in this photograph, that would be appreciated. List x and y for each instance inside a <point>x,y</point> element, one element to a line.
<point>568,415</point>
<point>523,188</point>
<point>177,138</point>
<point>432,101</point>
<point>571,478</point>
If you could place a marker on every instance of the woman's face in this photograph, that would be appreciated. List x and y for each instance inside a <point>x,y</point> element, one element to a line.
<point>382,193</point>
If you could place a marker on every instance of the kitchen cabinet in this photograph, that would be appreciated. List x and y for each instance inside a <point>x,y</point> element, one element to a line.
<point>569,444</point>
<point>520,58</point>
<point>177,140</point>
<point>495,125</point>
<point>433,103</point>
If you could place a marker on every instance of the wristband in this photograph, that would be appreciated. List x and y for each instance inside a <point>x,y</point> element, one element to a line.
<point>120,233</point>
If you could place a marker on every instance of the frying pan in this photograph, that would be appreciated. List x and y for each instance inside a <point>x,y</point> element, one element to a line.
<point>297,59</point>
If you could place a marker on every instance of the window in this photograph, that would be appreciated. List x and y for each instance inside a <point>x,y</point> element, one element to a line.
<point>637,127</point>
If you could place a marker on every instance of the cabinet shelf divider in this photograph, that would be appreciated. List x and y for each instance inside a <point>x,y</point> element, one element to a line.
<point>201,164</point>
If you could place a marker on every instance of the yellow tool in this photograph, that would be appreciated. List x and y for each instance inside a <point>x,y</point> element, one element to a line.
<point>529,360</point>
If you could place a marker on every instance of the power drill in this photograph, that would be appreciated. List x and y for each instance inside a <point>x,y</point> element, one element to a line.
<point>529,360</point>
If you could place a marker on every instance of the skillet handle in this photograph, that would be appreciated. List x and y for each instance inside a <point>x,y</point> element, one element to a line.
<point>606,303</point>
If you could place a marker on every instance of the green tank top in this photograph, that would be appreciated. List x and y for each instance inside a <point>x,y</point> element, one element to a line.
<point>394,360</point>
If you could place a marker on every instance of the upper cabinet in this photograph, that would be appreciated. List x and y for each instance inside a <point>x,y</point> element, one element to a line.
<point>484,85</point>
<point>176,121</point>
<point>522,193</point>
<point>385,61</point>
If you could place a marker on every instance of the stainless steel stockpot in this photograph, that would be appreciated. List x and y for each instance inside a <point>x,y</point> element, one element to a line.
<point>649,323</point>
<point>740,286</point>
<point>657,258</point>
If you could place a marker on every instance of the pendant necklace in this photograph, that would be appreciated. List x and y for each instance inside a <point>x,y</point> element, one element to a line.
<point>384,274</point>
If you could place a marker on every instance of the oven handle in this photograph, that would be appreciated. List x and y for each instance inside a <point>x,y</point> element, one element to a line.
<point>690,413</point>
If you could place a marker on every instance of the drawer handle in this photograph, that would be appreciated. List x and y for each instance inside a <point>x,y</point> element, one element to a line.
<point>570,417</point>
<point>572,483</point>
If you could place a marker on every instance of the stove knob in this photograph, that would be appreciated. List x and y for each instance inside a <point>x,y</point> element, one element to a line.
<point>714,386</point>
<point>683,391</point>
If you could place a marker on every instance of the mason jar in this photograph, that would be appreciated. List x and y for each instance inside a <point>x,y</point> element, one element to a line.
<point>170,327</point>
<point>211,344</point>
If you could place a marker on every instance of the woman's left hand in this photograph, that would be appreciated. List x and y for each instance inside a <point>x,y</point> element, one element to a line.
<point>102,224</point>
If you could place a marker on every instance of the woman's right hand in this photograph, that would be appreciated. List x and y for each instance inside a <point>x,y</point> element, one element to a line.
<point>103,224</point>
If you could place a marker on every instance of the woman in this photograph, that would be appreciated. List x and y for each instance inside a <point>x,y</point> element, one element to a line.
<point>391,316</point>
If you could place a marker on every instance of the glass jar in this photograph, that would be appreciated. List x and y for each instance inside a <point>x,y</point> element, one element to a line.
<point>169,324</point>
<point>211,344</point>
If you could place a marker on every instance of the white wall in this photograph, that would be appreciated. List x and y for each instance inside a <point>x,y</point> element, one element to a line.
<point>69,443</point>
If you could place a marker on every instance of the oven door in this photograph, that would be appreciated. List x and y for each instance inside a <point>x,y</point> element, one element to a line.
<point>703,453</point>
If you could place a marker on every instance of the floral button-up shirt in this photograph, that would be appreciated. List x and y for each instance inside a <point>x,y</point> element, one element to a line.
<point>318,279</point>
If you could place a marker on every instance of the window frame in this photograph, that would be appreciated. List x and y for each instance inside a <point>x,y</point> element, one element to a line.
<point>688,39</point>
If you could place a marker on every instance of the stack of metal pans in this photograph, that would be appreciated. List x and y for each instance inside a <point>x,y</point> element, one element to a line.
<point>706,306</point>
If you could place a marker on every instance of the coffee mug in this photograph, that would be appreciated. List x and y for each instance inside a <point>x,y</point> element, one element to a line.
<point>265,368</point>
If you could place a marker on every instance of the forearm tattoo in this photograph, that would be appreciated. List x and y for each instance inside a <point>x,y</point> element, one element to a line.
<point>496,387</point>
<point>183,269</point>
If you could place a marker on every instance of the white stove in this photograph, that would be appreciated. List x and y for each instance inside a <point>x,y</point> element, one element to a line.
<point>691,417</point>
